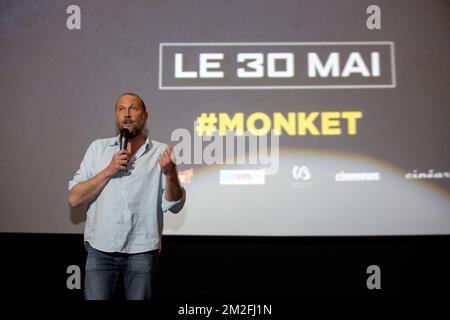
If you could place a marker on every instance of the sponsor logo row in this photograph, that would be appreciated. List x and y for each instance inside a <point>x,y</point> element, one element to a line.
<point>303,176</point>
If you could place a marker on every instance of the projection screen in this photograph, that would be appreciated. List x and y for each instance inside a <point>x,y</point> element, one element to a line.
<point>290,118</point>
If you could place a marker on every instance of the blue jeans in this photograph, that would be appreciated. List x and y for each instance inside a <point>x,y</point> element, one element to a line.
<point>103,268</point>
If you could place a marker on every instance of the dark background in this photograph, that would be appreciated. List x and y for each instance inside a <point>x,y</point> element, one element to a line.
<point>218,269</point>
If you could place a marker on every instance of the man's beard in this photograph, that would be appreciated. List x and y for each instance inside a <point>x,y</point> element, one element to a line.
<point>135,130</point>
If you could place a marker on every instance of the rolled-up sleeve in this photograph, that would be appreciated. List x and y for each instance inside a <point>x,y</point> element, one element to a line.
<point>172,206</point>
<point>86,168</point>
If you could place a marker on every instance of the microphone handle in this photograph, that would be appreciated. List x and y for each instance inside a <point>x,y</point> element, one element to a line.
<point>123,142</point>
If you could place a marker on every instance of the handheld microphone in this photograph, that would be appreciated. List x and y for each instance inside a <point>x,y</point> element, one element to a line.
<point>123,139</point>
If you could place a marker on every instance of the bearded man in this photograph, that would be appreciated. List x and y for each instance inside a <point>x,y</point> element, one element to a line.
<point>126,192</point>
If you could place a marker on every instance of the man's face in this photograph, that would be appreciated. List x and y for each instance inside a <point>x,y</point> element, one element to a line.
<point>130,115</point>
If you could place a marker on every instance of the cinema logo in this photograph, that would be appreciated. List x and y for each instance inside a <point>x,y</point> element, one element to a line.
<point>302,175</point>
<point>430,174</point>
<point>242,177</point>
<point>357,176</point>
<point>284,65</point>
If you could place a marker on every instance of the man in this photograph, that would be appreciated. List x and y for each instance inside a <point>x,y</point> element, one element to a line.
<point>127,192</point>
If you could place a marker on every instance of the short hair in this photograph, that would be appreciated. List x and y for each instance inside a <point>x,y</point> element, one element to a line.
<point>134,95</point>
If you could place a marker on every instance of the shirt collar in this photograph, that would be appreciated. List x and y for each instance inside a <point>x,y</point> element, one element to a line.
<point>115,141</point>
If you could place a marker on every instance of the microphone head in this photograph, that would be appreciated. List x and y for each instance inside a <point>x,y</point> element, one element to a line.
<point>123,140</point>
<point>125,133</point>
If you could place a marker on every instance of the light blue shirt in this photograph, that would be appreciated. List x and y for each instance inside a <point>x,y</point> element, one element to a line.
<point>127,215</point>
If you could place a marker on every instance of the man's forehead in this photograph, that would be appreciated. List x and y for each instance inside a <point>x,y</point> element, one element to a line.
<point>127,99</point>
